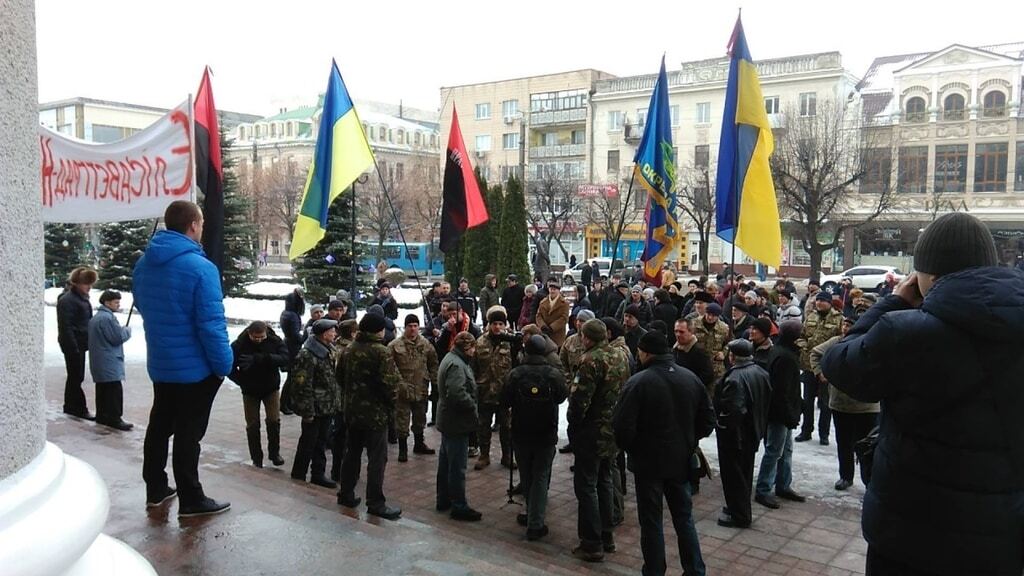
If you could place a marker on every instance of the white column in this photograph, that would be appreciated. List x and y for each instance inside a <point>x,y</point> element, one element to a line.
<point>52,507</point>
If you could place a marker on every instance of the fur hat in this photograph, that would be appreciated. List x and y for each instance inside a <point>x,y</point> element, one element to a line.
<point>633,310</point>
<point>702,296</point>
<point>464,341</point>
<point>497,314</point>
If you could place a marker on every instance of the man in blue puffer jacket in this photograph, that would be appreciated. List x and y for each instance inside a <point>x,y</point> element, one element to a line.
<point>947,490</point>
<point>178,292</point>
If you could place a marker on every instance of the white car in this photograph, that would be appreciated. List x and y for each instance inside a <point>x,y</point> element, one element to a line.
<point>601,264</point>
<point>867,278</point>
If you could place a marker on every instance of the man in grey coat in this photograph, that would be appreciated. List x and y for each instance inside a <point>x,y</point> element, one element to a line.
<point>106,361</point>
<point>456,420</point>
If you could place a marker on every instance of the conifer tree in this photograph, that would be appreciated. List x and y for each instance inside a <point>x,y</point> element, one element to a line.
<point>453,263</point>
<point>64,250</point>
<point>327,268</point>
<point>239,230</point>
<point>513,243</point>
<point>495,204</point>
<point>477,253</point>
<point>121,245</point>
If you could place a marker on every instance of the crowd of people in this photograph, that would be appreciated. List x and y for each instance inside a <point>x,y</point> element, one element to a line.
<point>648,369</point>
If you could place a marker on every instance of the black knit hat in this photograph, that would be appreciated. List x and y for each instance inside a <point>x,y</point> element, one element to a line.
<point>371,324</point>
<point>412,319</point>
<point>536,344</point>
<point>954,242</point>
<point>762,325</point>
<point>653,342</point>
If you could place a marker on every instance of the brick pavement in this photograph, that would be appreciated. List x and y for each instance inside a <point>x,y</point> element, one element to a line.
<point>278,525</point>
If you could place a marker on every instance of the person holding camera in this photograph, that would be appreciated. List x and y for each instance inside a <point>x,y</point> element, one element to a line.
<point>492,362</point>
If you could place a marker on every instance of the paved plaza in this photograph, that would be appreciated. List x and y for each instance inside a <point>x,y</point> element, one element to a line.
<point>281,526</point>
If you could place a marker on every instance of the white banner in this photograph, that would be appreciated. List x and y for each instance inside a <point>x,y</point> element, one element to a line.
<point>130,179</point>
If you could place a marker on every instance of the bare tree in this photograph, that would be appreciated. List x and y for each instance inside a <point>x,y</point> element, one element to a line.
<point>610,213</point>
<point>375,212</point>
<point>695,193</point>
<point>825,165</point>
<point>277,195</point>
<point>553,209</point>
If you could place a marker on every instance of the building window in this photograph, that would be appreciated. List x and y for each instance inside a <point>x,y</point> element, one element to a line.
<point>483,143</point>
<point>950,168</point>
<point>674,113</point>
<point>509,172</point>
<point>990,167</point>
<point>483,111</point>
<point>702,156</point>
<point>562,100</point>
<point>579,137</point>
<point>913,173</point>
<point>485,171</point>
<point>613,160</point>
<point>877,170</point>
<point>639,200</point>
<point>808,104</point>
<point>615,120</point>
<point>641,117</point>
<point>549,139</point>
<point>417,138</point>
<point>703,112</point>
<point>994,105</point>
<point>771,104</point>
<point>510,141</point>
<point>916,109</point>
<point>953,107</point>
<point>510,109</point>
<point>399,171</point>
<point>433,140</point>
<point>1019,177</point>
<point>273,130</point>
<point>401,137</point>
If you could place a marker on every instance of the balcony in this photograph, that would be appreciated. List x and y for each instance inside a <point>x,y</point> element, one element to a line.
<point>561,151</point>
<point>633,133</point>
<point>571,116</point>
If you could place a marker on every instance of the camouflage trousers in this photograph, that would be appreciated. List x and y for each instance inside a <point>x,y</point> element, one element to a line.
<point>414,411</point>
<point>488,413</point>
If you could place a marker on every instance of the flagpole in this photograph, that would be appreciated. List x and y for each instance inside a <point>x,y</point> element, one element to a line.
<point>156,222</point>
<point>622,220</point>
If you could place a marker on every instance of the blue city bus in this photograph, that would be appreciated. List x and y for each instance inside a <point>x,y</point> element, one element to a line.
<point>395,254</point>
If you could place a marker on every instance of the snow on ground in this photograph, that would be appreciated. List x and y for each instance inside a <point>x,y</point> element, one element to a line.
<point>270,289</point>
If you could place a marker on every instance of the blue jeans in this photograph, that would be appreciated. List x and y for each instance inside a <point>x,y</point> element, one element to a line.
<point>649,494</point>
<point>451,472</point>
<point>777,462</point>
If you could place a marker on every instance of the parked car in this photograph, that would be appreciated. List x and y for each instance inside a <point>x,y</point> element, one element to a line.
<point>867,278</point>
<point>602,265</point>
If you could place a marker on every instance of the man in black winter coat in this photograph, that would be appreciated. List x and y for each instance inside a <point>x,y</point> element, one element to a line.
<point>512,299</point>
<point>783,365</point>
<point>259,357</point>
<point>533,390</point>
<point>947,487</point>
<point>291,329</point>
<point>73,314</point>
<point>689,354</point>
<point>386,300</point>
<point>741,404</point>
<point>662,414</point>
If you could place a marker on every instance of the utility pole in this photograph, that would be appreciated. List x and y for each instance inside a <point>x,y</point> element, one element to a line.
<point>522,149</point>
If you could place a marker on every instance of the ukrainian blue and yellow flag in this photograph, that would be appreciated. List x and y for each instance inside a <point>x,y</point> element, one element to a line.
<point>342,154</point>
<point>747,214</point>
<point>655,167</point>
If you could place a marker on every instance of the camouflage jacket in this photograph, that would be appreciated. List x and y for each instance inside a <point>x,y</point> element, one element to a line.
<point>620,343</point>
<point>592,398</point>
<point>417,363</point>
<point>713,340</point>
<point>370,381</point>
<point>818,328</point>
<point>492,362</point>
<point>314,386</point>
<point>571,354</point>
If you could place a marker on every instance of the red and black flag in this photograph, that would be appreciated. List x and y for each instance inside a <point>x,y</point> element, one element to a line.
<point>463,207</point>
<point>209,171</point>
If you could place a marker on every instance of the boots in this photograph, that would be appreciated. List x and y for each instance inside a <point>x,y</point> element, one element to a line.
<point>274,443</point>
<point>508,462</point>
<point>485,457</point>
<point>421,447</point>
<point>255,446</point>
<point>403,449</point>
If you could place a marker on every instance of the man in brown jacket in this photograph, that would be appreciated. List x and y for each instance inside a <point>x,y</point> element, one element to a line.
<point>553,313</point>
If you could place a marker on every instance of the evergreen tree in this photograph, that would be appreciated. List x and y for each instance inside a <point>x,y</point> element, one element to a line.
<point>239,231</point>
<point>64,250</point>
<point>478,254</point>
<point>513,243</point>
<point>121,245</point>
<point>495,204</point>
<point>327,268</point>
<point>453,263</point>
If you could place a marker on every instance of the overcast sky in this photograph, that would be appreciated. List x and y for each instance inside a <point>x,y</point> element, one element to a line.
<point>270,54</point>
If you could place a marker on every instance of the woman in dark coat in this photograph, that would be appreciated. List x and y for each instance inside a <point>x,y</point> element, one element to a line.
<point>291,327</point>
<point>947,486</point>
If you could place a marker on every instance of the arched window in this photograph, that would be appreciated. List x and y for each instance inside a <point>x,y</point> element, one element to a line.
<point>916,109</point>
<point>401,136</point>
<point>953,107</point>
<point>994,105</point>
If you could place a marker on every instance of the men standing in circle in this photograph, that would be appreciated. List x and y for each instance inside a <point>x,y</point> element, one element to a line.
<point>533,390</point>
<point>456,421</point>
<point>73,314</point>
<point>944,356</point>
<point>316,398</point>
<point>370,381</point>
<point>416,360</point>
<point>820,325</point>
<point>178,292</point>
<point>662,415</point>
<point>259,357</point>
<point>741,403</point>
<point>595,390</point>
<point>491,364</point>
<point>106,361</point>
